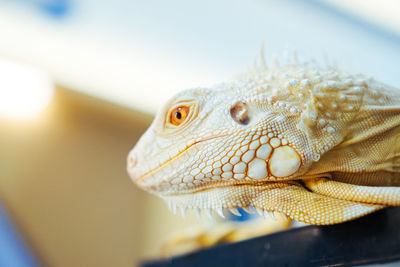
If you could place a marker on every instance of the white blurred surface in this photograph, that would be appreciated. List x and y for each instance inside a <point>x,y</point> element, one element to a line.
<point>382,13</point>
<point>24,90</point>
<point>139,53</point>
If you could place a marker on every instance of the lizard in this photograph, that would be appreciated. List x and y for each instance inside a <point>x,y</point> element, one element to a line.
<point>317,144</point>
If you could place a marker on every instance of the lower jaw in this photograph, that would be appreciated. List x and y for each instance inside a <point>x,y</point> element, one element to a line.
<point>224,199</point>
<point>288,198</point>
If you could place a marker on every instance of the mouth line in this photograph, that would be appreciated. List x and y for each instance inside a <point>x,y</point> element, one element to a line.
<point>219,185</point>
<point>162,165</point>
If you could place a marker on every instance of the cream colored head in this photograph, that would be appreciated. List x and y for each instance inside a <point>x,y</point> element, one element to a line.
<point>257,141</point>
<point>262,127</point>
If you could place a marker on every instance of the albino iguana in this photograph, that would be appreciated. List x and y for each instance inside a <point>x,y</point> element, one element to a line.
<point>317,144</point>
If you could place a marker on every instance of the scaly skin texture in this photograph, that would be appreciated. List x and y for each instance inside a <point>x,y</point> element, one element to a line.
<point>318,145</point>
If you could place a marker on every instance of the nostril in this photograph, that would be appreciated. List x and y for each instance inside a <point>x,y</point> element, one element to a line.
<point>132,160</point>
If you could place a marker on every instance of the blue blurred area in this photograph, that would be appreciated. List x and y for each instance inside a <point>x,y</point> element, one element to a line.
<point>13,250</point>
<point>53,8</point>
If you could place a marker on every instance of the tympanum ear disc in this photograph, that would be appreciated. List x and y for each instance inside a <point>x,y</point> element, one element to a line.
<point>240,113</point>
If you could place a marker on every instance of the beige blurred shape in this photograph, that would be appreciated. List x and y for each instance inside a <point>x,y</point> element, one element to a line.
<point>63,181</point>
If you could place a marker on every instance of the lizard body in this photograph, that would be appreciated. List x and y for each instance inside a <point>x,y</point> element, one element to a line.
<point>321,146</point>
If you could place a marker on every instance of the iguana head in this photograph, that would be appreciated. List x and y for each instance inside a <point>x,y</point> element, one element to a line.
<point>224,146</point>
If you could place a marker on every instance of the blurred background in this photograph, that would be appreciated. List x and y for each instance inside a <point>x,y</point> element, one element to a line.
<point>81,80</point>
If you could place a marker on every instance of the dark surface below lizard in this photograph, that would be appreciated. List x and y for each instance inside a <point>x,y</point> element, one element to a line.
<point>372,239</point>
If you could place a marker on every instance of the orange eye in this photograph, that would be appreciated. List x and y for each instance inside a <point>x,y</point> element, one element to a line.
<point>178,115</point>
